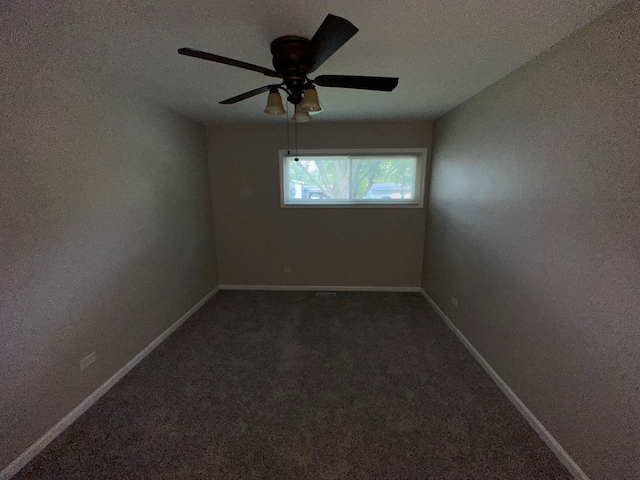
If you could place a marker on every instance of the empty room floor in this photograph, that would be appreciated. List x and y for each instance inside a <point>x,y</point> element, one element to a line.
<point>288,385</point>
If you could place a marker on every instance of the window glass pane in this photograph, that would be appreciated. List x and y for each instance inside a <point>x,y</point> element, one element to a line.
<point>375,179</point>
<point>351,179</point>
<point>317,179</point>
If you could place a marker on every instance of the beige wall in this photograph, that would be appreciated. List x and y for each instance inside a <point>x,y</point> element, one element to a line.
<point>534,226</point>
<point>106,238</point>
<point>256,238</point>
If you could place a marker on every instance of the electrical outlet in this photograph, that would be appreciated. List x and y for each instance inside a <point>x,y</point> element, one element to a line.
<point>288,269</point>
<point>454,301</point>
<point>88,360</point>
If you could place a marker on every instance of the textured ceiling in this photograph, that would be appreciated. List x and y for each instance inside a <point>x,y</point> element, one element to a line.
<point>444,51</point>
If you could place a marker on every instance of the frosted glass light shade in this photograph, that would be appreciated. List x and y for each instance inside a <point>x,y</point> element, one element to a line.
<point>310,101</point>
<point>317,111</point>
<point>274,104</point>
<point>300,116</point>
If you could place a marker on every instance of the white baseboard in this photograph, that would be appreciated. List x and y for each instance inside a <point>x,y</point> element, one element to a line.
<point>551,442</point>
<point>15,466</point>
<point>320,288</point>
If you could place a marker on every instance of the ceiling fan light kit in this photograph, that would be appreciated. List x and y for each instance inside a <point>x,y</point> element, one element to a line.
<point>294,58</point>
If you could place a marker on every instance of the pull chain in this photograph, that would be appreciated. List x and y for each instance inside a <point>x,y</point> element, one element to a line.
<point>295,126</point>
<point>295,132</point>
<point>288,144</point>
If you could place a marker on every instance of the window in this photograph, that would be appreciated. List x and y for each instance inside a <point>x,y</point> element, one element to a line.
<point>387,178</point>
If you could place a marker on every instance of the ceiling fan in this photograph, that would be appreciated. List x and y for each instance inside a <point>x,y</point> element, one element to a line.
<point>296,57</point>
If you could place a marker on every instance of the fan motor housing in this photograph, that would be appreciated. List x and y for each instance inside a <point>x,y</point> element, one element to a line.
<point>286,52</point>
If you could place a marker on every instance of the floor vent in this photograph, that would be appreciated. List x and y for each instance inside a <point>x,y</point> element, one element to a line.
<point>325,294</point>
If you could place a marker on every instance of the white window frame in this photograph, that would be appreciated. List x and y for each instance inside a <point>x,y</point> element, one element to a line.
<point>419,187</point>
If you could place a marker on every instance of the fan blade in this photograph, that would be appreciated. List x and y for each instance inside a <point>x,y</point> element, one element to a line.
<point>246,95</point>
<point>190,52</point>
<point>384,84</point>
<point>332,34</point>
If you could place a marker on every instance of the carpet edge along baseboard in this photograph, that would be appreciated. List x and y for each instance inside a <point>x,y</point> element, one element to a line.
<point>16,465</point>
<point>536,424</point>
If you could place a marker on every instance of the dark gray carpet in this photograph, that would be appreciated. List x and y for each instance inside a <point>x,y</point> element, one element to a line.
<point>285,385</point>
